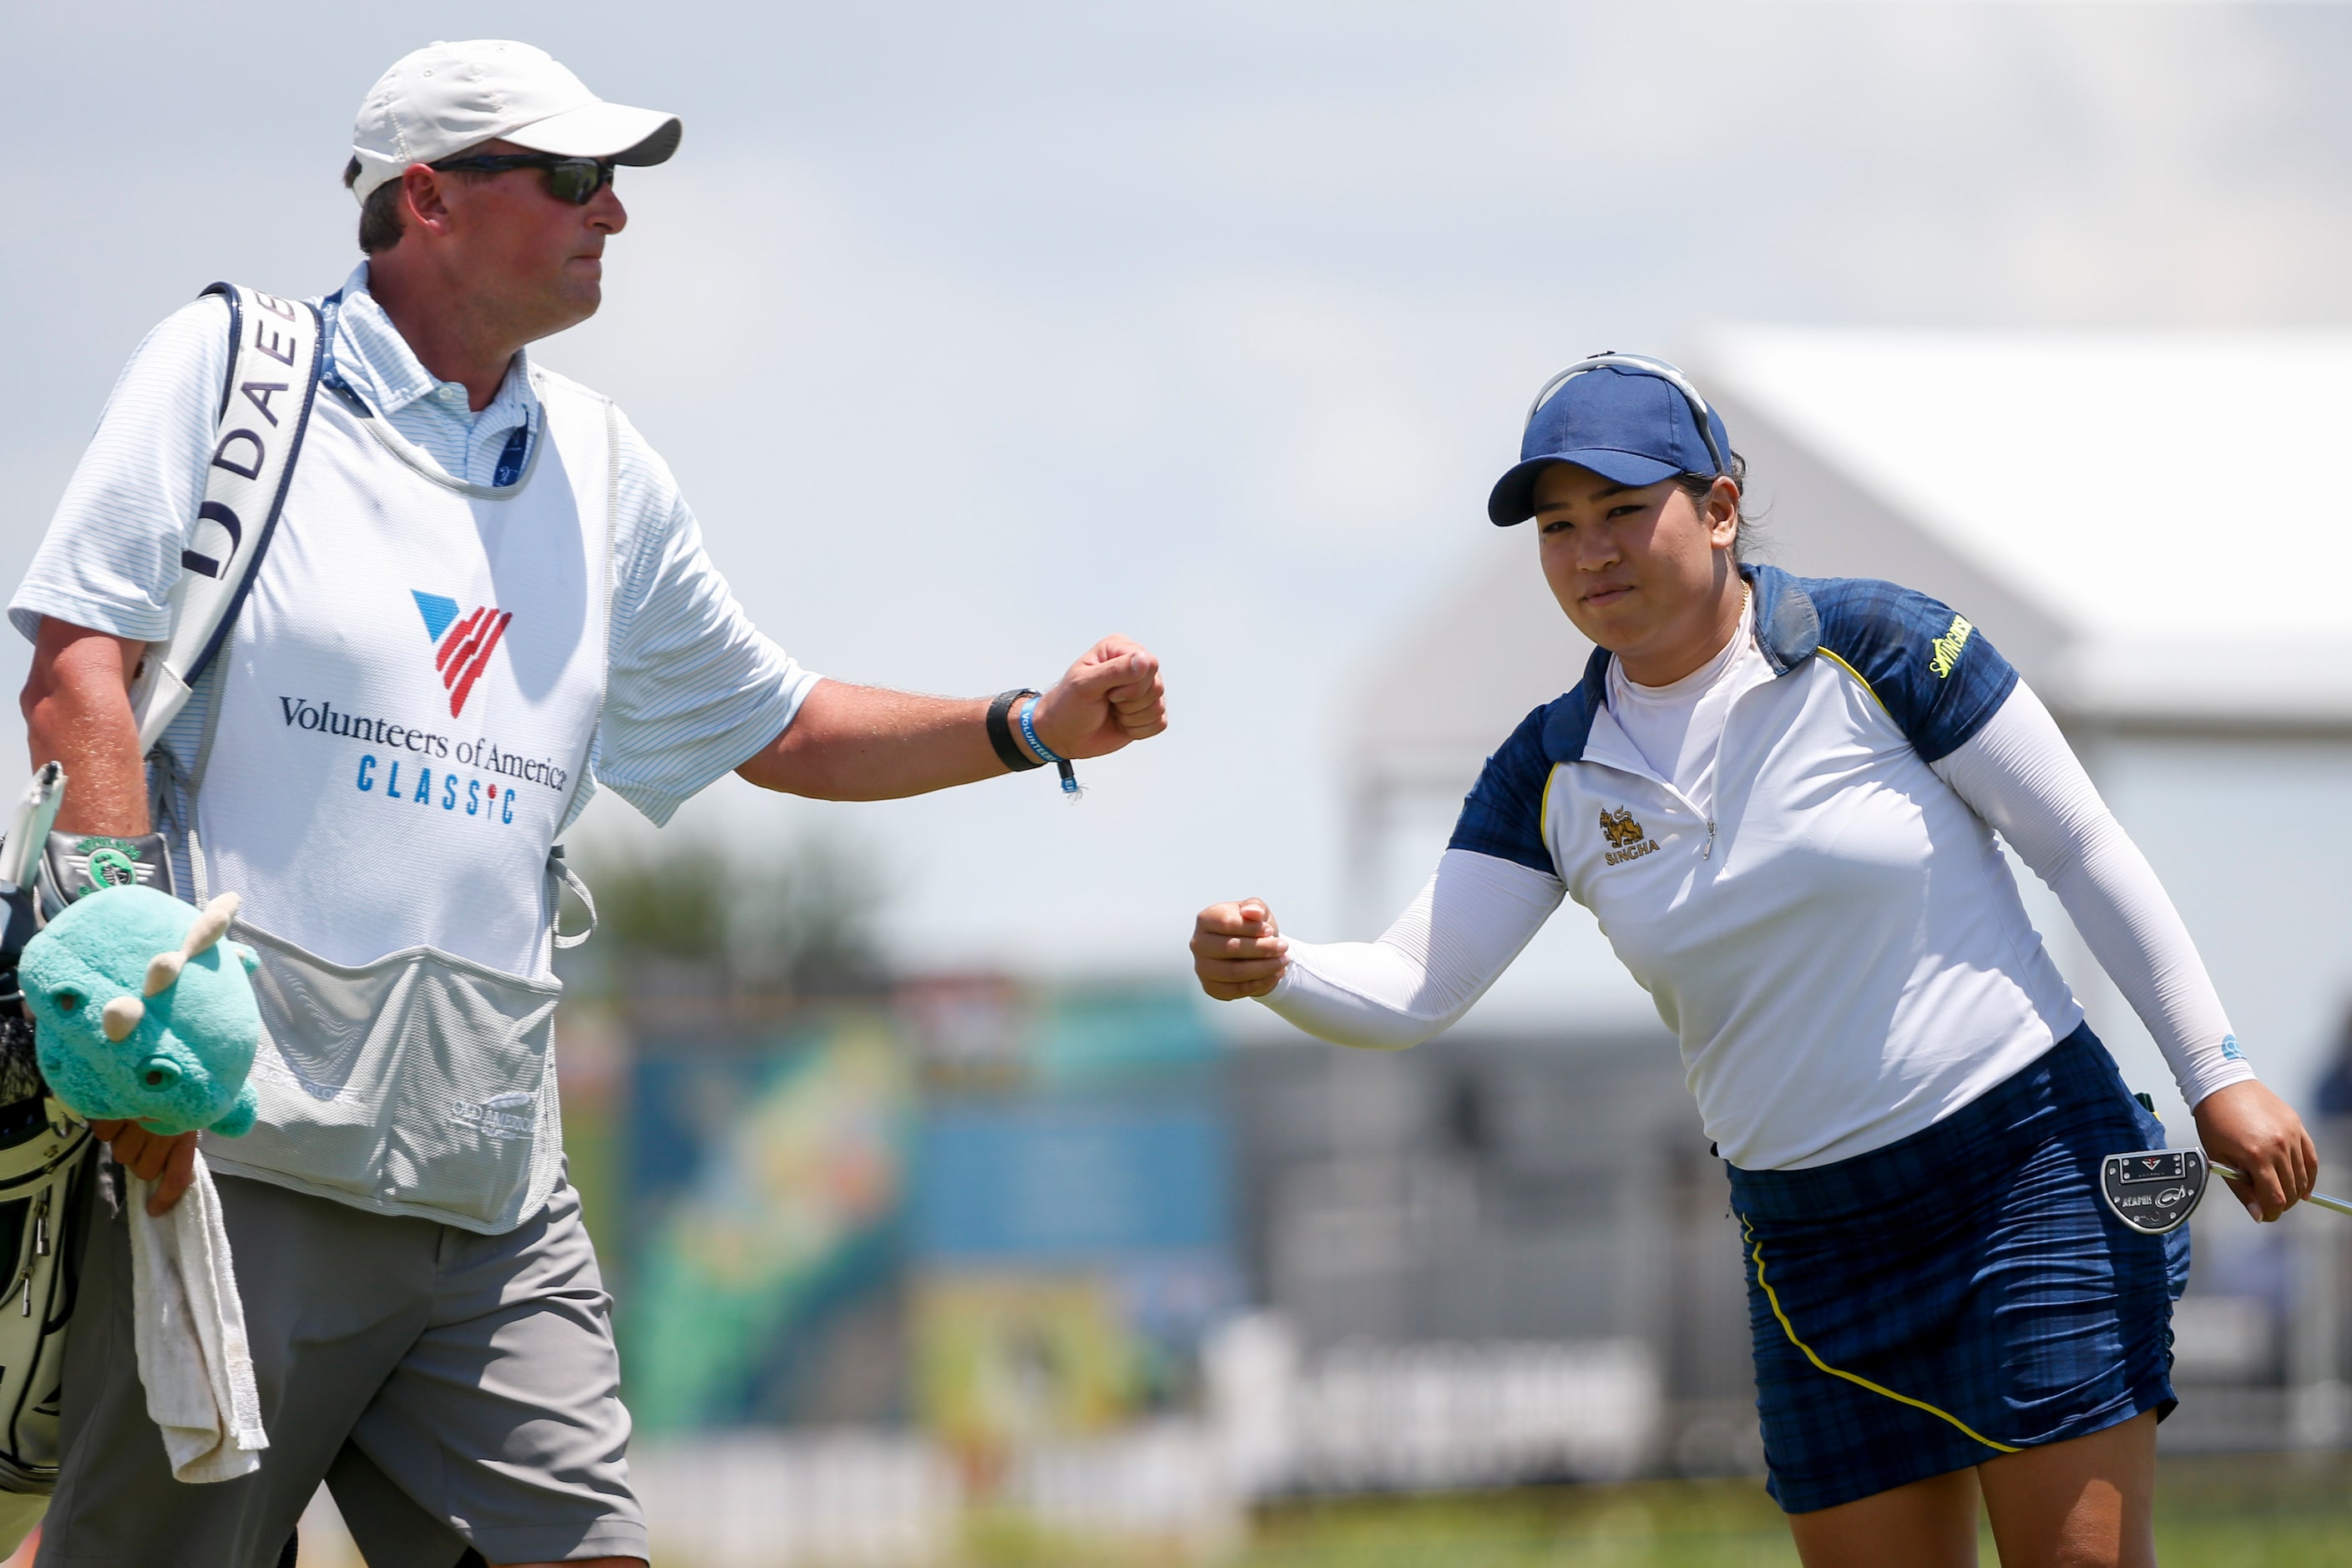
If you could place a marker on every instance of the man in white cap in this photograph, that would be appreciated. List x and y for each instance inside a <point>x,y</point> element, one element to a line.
<point>485,593</point>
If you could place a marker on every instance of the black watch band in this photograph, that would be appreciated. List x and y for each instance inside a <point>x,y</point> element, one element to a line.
<point>1010,751</point>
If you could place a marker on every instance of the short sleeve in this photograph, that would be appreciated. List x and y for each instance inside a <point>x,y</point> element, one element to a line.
<point>1936,674</point>
<point>111,555</point>
<point>1503,815</point>
<point>694,689</point>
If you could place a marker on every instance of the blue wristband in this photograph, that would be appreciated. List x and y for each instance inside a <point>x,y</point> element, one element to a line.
<point>1029,734</point>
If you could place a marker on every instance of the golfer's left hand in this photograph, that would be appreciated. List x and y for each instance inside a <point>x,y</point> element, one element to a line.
<point>1111,695</point>
<point>2247,1126</point>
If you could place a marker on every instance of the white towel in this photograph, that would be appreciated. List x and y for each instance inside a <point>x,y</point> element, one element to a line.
<point>189,1324</point>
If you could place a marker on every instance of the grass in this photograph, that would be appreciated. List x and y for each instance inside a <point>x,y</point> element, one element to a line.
<point>2282,1511</point>
<point>2255,1511</point>
<point>1655,1524</point>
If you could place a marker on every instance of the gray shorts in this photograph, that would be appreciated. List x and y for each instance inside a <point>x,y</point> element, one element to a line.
<point>452,1390</point>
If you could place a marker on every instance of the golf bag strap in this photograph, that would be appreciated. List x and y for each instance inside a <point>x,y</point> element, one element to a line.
<point>273,378</point>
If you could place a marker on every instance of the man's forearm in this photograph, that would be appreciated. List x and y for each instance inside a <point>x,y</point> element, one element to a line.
<point>77,709</point>
<point>863,743</point>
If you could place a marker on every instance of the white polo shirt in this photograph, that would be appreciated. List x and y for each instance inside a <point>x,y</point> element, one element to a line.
<point>694,689</point>
<point>1834,905</point>
<point>1806,882</point>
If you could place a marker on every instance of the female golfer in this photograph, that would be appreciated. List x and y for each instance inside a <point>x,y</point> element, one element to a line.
<point>1779,796</point>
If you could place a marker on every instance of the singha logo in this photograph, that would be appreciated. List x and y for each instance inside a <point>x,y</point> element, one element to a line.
<point>1621,829</point>
<point>1627,841</point>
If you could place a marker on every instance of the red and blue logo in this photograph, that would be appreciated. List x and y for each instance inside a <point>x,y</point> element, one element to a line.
<point>462,644</point>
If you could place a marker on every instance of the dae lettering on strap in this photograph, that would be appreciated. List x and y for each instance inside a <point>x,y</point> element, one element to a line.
<point>264,407</point>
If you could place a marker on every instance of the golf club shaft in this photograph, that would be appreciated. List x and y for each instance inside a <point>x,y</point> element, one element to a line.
<point>2322,1199</point>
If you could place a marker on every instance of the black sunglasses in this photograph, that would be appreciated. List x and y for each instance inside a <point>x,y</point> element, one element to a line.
<point>574,179</point>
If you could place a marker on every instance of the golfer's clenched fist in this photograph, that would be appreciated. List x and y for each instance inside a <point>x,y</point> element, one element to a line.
<point>1237,949</point>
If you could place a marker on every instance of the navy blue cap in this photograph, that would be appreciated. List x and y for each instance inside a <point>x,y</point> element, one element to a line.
<point>1627,422</point>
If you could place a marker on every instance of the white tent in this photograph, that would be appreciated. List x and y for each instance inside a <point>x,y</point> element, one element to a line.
<point>2147,525</point>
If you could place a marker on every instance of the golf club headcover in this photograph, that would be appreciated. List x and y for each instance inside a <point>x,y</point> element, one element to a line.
<point>20,1072</point>
<point>144,1012</point>
<point>75,865</point>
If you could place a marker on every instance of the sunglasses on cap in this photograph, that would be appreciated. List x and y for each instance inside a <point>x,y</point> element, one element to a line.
<point>574,179</point>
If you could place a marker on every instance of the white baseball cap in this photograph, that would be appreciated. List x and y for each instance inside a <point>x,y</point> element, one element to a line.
<point>445,98</point>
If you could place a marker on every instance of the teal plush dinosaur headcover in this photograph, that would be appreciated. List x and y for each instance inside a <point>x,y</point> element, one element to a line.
<point>143,1012</point>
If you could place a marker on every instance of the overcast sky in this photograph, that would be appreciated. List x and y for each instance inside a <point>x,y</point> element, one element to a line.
<point>975,332</point>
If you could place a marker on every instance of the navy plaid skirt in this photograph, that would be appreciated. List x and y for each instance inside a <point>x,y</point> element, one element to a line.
<point>1960,1294</point>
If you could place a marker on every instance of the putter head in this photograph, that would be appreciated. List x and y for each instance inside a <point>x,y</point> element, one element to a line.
<point>2154,1191</point>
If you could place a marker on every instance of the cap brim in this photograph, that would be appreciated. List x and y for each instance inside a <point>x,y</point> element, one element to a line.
<point>1514,499</point>
<point>599,129</point>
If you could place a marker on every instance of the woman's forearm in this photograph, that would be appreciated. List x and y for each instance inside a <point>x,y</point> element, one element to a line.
<point>2018,773</point>
<point>1470,921</point>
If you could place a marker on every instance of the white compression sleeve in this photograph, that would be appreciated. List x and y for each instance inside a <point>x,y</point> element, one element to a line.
<point>2018,773</point>
<point>1470,921</point>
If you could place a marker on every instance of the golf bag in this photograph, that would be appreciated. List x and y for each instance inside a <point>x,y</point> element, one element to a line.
<point>47,1153</point>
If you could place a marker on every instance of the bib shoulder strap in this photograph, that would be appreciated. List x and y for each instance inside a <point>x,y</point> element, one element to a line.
<point>273,379</point>
<point>565,877</point>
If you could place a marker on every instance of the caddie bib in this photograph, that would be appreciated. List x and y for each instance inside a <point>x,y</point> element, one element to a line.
<point>398,728</point>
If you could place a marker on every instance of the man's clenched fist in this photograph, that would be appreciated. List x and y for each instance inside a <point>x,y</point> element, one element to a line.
<point>1111,695</point>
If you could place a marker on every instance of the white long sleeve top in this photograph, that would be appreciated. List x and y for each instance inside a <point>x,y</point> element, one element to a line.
<point>1793,850</point>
